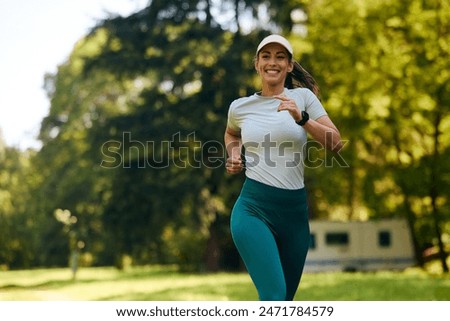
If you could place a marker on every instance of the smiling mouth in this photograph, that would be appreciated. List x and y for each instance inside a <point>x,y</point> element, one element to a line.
<point>272,72</point>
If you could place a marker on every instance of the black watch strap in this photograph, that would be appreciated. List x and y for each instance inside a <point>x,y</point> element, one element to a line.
<point>305,118</point>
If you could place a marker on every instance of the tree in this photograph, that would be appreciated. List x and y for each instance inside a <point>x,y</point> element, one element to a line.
<point>16,227</point>
<point>377,54</point>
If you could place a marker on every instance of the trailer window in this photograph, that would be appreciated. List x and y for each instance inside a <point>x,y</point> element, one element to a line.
<point>312,241</point>
<point>384,239</point>
<point>340,238</point>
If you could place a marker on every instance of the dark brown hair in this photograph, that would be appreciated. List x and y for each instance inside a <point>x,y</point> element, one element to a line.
<point>300,78</point>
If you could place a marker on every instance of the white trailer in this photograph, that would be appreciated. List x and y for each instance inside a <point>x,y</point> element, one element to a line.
<point>359,246</point>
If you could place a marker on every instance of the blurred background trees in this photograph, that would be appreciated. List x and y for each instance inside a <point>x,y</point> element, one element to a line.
<point>132,144</point>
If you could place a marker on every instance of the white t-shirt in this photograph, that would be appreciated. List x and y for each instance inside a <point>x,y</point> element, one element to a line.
<point>274,144</point>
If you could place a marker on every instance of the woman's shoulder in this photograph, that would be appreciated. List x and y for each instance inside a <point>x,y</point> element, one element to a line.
<point>242,101</point>
<point>301,91</point>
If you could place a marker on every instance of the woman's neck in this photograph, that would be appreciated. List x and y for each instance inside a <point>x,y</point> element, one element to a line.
<point>272,91</point>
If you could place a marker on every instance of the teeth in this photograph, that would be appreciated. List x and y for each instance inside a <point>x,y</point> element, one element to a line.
<point>272,71</point>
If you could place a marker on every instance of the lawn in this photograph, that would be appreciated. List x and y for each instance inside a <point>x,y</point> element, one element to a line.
<point>160,283</point>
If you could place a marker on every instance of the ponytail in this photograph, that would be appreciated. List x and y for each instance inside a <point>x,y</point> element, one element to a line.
<point>300,78</point>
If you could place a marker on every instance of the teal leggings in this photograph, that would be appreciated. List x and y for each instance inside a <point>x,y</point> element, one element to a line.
<point>270,229</point>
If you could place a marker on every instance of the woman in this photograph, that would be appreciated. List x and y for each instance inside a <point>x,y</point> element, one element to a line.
<point>269,222</point>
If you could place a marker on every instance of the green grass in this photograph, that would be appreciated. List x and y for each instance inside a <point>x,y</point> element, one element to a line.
<point>159,283</point>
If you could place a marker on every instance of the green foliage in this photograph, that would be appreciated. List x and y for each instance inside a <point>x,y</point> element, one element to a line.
<point>132,145</point>
<point>381,65</point>
<point>18,230</point>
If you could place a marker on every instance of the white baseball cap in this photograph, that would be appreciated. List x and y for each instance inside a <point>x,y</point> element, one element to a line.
<point>275,39</point>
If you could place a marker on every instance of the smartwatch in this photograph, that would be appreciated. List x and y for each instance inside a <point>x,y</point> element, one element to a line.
<point>305,118</point>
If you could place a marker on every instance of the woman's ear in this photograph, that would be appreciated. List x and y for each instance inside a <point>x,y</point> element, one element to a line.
<point>256,65</point>
<point>291,66</point>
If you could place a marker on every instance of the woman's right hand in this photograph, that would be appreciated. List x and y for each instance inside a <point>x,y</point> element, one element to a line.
<point>234,165</point>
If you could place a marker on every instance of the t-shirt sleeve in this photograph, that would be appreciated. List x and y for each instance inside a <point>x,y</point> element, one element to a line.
<point>313,106</point>
<point>232,121</point>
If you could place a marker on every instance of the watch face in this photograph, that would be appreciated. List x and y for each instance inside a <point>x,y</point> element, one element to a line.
<point>305,117</point>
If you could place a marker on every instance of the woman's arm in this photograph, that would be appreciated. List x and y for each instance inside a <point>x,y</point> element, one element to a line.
<point>325,132</point>
<point>322,130</point>
<point>233,145</point>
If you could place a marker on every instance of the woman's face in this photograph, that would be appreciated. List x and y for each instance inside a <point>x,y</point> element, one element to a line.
<point>273,64</point>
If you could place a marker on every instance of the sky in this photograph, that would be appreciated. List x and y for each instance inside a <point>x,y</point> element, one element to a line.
<point>35,37</point>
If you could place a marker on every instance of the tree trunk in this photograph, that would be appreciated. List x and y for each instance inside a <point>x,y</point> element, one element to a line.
<point>236,9</point>
<point>208,13</point>
<point>434,193</point>
<point>351,182</point>
<point>410,216</point>
<point>212,253</point>
<point>411,219</point>
<point>437,229</point>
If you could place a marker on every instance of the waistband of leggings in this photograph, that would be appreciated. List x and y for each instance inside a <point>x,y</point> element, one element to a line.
<point>257,190</point>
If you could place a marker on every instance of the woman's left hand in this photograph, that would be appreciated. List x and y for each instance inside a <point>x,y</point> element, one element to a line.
<point>289,105</point>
